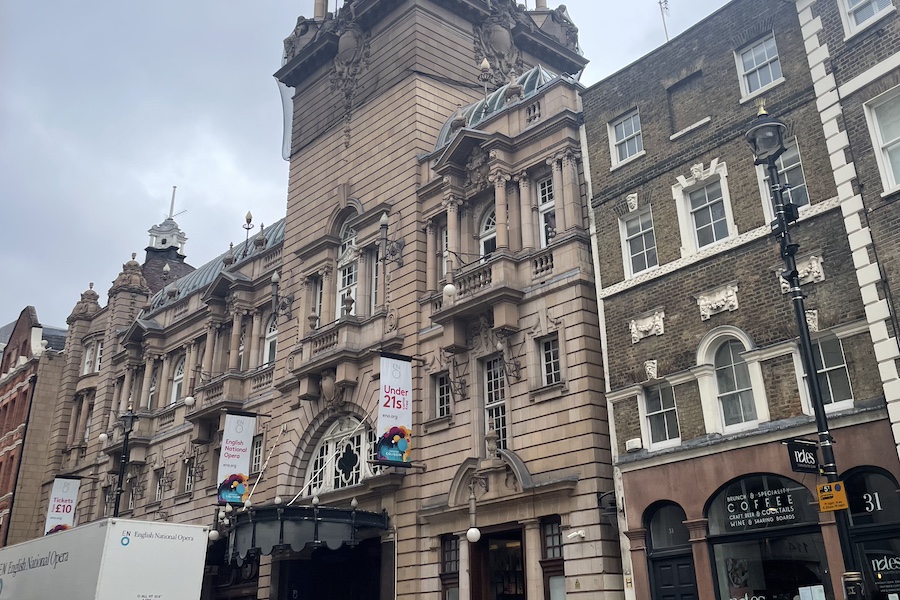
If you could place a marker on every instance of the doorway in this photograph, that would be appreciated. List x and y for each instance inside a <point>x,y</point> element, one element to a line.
<point>348,573</point>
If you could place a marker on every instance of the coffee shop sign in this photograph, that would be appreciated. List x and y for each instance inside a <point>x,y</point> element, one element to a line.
<point>760,509</point>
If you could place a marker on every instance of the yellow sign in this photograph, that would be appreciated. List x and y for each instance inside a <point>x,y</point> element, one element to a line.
<point>833,496</point>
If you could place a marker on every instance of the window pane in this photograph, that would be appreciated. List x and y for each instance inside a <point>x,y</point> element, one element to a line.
<point>558,587</point>
<point>658,429</point>
<point>840,385</point>
<point>888,116</point>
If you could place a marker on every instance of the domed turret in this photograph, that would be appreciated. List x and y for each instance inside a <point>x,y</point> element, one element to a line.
<point>131,279</point>
<point>87,307</point>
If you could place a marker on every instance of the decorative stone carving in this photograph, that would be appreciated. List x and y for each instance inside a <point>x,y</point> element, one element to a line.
<point>494,41</point>
<point>332,395</point>
<point>632,202</point>
<point>131,279</point>
<point>477,169</point>
<point>646,326</point>
<point>560,15</point>
<point>88,306</point>
<point>351,60</point>
<point>717,301</point>
<point>650,368</point>
<point>809,270</point>
<point>812,320</point>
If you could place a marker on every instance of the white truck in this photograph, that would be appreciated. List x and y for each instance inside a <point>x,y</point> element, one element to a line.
<point>110,559</point>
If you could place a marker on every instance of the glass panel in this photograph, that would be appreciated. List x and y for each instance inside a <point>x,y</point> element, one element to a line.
<point>888,116</point>
<point>558,587</point>
<point>760,502</point>
<point>658,430</point>
<point>667,529</point>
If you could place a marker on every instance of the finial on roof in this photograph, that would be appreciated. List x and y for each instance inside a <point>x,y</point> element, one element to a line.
<point>133,255</point>
<point>91,285</point>
<point>172,204</point>
<point>761,107</point>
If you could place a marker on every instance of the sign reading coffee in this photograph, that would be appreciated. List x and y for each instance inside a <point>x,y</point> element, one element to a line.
<point>759,502</point>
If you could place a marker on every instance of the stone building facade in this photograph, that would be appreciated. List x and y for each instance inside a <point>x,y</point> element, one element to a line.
<point>436,210</point>
<point>30,366</point>
<point>700,344</point>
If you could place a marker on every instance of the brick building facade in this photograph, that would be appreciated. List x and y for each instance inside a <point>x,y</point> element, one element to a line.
<point>700,344</point>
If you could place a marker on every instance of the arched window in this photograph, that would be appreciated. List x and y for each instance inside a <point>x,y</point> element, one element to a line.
<point>487,234</point>
<point>153,380</point>
<point>733,383</point>
<point>271,340</point>
<point>177,381</point>
<point>347,272</point>
<point>875,527</point>
<point>342,457</point>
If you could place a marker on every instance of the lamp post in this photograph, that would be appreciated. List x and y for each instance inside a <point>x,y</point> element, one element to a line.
<point>128,420</point>
<point>766,140</point>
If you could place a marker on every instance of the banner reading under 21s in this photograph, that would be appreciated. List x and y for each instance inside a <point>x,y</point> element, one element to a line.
<point>395,410</point>
<point>234,458</point>
<point>63,500</point>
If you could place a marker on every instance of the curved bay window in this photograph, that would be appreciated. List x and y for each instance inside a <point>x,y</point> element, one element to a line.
<point>671,563</point>
<point>875,529</point>
<point>342,457</point>
<point>766,542</point>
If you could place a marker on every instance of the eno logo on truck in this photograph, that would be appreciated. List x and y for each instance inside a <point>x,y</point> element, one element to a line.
<point>125,540</point>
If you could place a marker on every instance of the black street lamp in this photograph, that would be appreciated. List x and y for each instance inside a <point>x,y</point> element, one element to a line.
<point>766,140</point>
<point>128,420</point>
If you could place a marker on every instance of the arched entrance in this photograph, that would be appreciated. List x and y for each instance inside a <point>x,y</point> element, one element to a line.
<point>765,540</point>
<point>347,573</point>
<point>669,556</point>
<point>875,529</point>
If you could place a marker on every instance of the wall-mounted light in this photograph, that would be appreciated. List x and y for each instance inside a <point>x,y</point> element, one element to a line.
<point>281,305</point>
<point>391,250</point>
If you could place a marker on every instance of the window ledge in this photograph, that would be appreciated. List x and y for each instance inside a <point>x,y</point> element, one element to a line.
<point>868,26</point>
<point>647,270</point>
<point>890,191</point>
<point>152,505</point>
<point>655,447</point>
<point>631,158</point>
<point>438,424</point>
<point>183,497</point>
<point>549,392</point>
<point>690,128</point>
<point>762,90</point>
<point>746,426</point>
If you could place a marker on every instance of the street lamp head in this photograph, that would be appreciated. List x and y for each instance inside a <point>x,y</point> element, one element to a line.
<point>766,138</point>
<point>129,419</point>
<point>189,401</point>
<point>103,437</point>
<point>473,534</point>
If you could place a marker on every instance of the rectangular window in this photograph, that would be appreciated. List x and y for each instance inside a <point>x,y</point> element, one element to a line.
<point>376,267</point>
<point>99,356</point>
<point>627,141</point>
<point>88,359</point>
<point>790,174</point>
<point>450,567</point>
<point>662,419</point>
<point>347,278</point>
<point>831,367</point>
<point>708,214</point>
<point>444,241</point>
<point>495,399</point>
<point>553,545</point>
<point>552,559</point>
<point>886,116</point>
<point>859,14</point>
<point>759,65</point>
<point>256,452</point>
<point>442,395</point>
<point>640,243</point>
<point>546,211</point>
<point>550,360</point>
<point>189,475</point>
<point>160,477</point>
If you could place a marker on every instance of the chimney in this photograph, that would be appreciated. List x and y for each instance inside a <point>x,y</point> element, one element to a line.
<point>319,10</point>
<point>540,5</point>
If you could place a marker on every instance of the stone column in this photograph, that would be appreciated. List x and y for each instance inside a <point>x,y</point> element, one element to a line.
<point>190,357</point>
<point>452,203</point>
<point>254,339</point>
<point>124,394</point>
<point>571,195</point>
<point>236,321</point>
<point>363,304</point>
<point>206,367</point>
<point>706,587</point>
<point>329,297</point>
<point>149,361</point>
<point>163,383</point>
<point>534,576</point>
<point>499,179</point>
<point>465,567</point>
<point>639,571</point>
<point>526,210</point>
<point>558,204</point>
<point>73,422</point>
<point>431,256</point>
<point>514,205</point>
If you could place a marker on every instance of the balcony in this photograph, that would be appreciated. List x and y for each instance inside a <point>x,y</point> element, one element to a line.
<point>228,391</point>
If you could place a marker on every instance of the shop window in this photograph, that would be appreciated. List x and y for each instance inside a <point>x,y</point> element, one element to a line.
<point>342,457</point>
<point>552,558</point>
<point>495,399</point>
<point>487,234</point>
<point>177,381</point>
<point>450,567</point>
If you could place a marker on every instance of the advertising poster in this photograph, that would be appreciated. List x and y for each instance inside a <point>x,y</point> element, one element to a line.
<point>63,499</point>
<point>234,458</point>
<point>395,410</point>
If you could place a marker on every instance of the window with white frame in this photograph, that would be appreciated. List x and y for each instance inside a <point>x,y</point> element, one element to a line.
<point>735,390</point>
<point>883,116</point>
<point>188,475</point>
<point>88,359</point>
<point>177,381</point>
<point>759,66</point>
<point>626,141</point>
<point>99,353</point>
<point>495,399</point>
<point>317,285</point>
<point>373,280</point>
<point>661,415</point>
<point>857,15</point>
<point>790,174</point>
<point>347,271</point>
<point>159,476</point>
<point>546,211</point>
<point>271,340</point>
<point>442,395</point>
<point>639,243</point>
<point>703,205</point>
<point>87,423</point>
<point>341,458</point>
<point>831,368</point>
<point>256,454</point>
<point>551,366</point>
<point>152,393</point>
<point>444,241</point>
<point>487,234</point>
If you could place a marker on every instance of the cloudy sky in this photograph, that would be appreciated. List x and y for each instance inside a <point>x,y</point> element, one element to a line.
<point>105,105</point>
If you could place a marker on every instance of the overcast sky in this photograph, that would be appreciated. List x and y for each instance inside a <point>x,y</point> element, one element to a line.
<point>106,104</point>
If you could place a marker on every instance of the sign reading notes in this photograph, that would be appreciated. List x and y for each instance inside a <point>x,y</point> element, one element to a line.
<point>395,410</point>
<point>234,459</point>
<point>63,499</point>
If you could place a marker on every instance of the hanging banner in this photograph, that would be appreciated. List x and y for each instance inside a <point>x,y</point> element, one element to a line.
<point>234,458</point>
<point>395,410</point>
<point>63,500</point>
